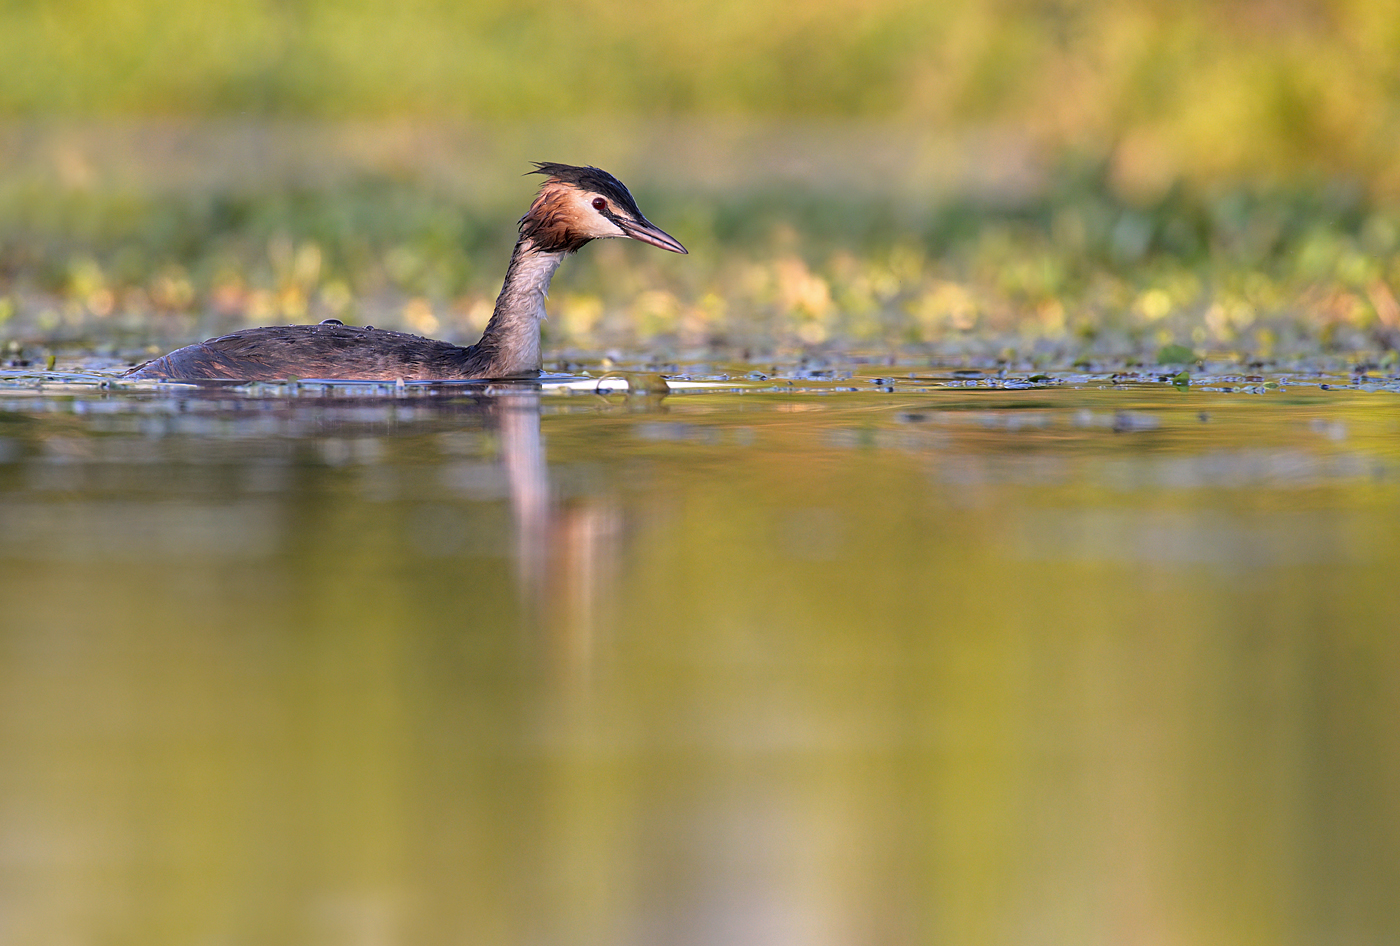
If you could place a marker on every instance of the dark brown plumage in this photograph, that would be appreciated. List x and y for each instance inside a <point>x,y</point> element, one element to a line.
<point>575,205</point>
<point>344,352</point>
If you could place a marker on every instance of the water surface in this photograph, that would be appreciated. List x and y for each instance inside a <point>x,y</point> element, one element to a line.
<point>802,657</point>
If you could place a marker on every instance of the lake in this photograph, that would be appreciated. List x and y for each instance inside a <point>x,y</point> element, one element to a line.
<point>746,655</point>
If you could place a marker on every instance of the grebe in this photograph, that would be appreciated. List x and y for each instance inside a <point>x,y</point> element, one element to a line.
<point>574,205</point>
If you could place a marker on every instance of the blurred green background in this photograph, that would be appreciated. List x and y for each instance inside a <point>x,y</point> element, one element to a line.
<point>1046,178</point>
<point>853,659</point>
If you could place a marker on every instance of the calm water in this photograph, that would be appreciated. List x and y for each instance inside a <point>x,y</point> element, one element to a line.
<point>825,660</point>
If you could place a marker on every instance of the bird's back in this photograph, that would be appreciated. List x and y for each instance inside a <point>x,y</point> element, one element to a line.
<point>331,351</point>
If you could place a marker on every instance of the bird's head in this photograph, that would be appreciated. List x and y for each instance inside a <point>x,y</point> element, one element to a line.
<point>578,204</point>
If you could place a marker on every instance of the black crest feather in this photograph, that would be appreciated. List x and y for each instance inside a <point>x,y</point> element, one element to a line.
<point>590,179</point>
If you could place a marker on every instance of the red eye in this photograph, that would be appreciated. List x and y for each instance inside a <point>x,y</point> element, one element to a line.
<point>599,203</point>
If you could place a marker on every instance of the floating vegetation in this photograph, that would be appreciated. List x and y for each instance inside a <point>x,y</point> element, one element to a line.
<point>777,269</point>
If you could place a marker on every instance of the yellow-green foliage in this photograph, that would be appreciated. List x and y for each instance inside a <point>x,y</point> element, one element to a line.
<point>1076,269</point>
<point>1226,168</point>
<point>1194,87</point>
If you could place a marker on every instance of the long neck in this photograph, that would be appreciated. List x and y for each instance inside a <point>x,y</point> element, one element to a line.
<point>511,341</point>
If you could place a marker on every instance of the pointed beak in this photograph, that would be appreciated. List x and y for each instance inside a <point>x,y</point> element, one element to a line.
<point>647,232</point>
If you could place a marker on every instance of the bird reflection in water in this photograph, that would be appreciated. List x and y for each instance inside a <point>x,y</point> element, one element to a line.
<point>564,553</point>
<point>562,550</point>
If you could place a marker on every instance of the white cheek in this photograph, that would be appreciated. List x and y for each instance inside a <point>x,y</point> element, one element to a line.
<point>599,227</point>
<point>605,227</point>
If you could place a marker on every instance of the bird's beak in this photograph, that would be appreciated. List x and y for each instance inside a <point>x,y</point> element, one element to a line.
<point>647,232</point>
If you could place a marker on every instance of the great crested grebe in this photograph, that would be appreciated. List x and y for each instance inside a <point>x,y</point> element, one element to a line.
<point>574,205</point>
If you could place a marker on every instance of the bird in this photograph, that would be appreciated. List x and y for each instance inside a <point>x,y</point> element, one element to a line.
<point>574,206</point>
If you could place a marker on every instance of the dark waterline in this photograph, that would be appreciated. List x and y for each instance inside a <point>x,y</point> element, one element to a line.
<point>807,655</point>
